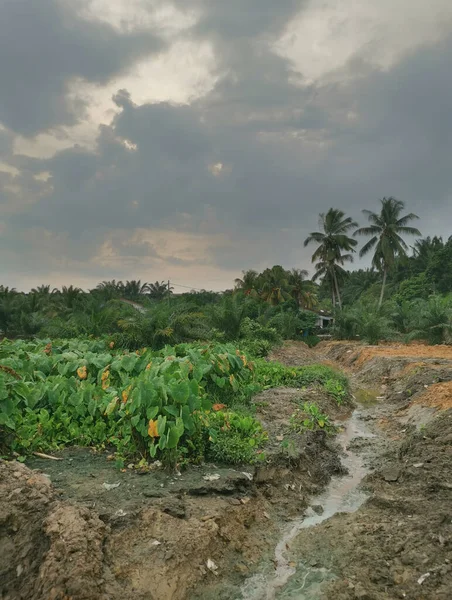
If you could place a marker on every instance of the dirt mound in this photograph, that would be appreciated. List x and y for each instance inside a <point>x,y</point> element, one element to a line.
<point>438,395</point>
<point>356,354</point>
<point>48,549</point>
<point>294,354</point>
<point>399,545</point>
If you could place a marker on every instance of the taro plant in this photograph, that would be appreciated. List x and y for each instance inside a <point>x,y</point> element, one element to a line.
<point>336,389</point>
<point>234,438</point>
<point>310,417</point>
<point>146,404</point>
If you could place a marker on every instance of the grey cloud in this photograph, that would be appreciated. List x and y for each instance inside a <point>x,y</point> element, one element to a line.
<point>237,19</point>
<point>288,152</point>
<point>42,46</point>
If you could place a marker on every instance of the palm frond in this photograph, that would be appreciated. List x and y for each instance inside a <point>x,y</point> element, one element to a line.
<point>368,246</point>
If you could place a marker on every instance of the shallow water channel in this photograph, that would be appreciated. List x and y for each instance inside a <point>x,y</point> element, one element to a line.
<point>300,580</point>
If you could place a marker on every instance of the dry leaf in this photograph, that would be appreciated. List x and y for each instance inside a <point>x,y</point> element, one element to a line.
<point>153,429</point>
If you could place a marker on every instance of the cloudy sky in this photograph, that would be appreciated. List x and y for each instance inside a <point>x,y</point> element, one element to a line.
<point>192,139</point>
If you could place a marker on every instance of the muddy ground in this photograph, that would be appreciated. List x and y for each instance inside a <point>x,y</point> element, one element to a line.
<point>205,532</point>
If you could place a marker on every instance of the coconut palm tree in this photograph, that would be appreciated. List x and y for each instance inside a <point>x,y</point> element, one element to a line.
<point>275,286</point>
<point>386,229</point>
<point>332,273</point>
<point>248,283</point>
<point>332,240</point>
<point>302,290</point>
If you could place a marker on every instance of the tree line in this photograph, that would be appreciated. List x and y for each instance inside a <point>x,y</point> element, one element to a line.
<point>384,300</point>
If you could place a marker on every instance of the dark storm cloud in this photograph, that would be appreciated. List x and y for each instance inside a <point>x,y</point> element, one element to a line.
<point>286,151</point>
<point>43,45</point>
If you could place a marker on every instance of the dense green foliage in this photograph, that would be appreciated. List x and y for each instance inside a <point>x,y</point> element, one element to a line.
<point>145,403</point>
<point>273,374</point>
<point>184,403</point>
<point>137,315</point>
<point>404,295</point>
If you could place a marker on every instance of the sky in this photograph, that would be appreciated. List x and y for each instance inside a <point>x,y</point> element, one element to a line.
<point>194,139</point>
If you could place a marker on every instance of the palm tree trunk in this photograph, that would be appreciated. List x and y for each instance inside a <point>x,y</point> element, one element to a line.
<point>385,272</point>
<point>337,290</point>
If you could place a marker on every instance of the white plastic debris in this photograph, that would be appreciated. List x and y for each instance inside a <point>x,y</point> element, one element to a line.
<point>110,486</point>
<point>19,570</point>
<point>249,476</point>
<point>212,566</point>
<point>418,465</point>
<point>156,543</point>
<point>212,477</point>
<point>422,578</point>
<point>120,513</point>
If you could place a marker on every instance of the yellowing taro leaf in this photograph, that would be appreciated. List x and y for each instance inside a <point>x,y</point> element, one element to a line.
<point>81,372</point>
<point>111,406</point>
<point>148,366</point>
<point>111,344</point>
<point>105,380</point>
<point>217,407</point>
<point>125,394</point>
<point>321,423</point>
<point>153,429</point>
<point>231,379</point>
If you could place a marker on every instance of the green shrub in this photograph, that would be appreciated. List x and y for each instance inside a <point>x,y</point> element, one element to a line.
<point>312,418</point>
<point>364,320</point>
<point>433,321</point>
<point>256,348</point>
<point>288,325</point>
<point>234,438</point>
<point>336,389</point>
<point>252,330</point>
<point>269,375</point>
<point>311,340</point>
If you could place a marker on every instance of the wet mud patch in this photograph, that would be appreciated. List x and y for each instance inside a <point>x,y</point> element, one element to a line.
<point>399,544</point>
<point>90,479</point>
<point>100,533</point>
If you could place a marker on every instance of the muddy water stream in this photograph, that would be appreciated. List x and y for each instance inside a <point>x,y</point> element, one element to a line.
<point>301,580</point>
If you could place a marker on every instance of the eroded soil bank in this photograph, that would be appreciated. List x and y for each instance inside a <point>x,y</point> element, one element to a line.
<point>209,531</point>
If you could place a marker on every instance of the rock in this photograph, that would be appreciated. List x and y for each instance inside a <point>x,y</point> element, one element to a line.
<point>235,501</point>
<point>175,509</point>
<point>390,474</point>
<point>241,568</point>
<point>110,486</point>
<point>211,477</point>
<point>318,509</point>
